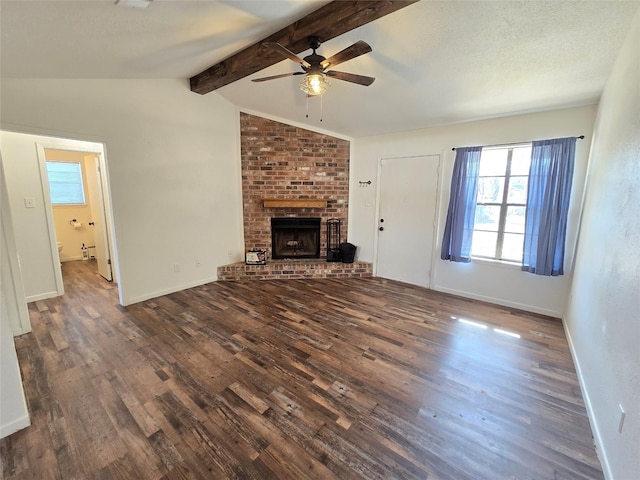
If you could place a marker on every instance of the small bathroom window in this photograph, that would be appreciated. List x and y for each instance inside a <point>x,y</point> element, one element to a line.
<point>65,183</point>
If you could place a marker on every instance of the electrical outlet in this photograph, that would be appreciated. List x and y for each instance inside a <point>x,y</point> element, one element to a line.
<point>621,421</point>
<point>176,267</point>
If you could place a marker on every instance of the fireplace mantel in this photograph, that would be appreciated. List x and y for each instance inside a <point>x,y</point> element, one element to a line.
<point>298,203</point>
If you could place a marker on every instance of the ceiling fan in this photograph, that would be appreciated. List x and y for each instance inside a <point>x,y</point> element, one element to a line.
<point>315,68</point>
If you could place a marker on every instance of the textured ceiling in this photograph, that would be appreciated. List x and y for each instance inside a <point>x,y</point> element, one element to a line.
<point>435,62</point>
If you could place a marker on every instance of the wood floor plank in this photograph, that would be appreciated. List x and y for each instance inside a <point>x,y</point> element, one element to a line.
<point>352,379</point>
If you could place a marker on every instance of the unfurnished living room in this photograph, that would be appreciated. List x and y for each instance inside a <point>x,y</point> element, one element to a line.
<point>319,239</point>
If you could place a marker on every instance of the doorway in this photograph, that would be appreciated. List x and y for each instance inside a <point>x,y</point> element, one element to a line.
<point>77,199</point>
<point>34,251</point>
<point>407,206</point>
<point>97,224</point>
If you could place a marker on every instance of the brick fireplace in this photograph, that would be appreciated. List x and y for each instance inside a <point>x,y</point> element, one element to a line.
<point>290,172</point>
<point>284,162</point>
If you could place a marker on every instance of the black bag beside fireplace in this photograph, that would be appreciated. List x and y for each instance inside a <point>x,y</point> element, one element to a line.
<point>347,252</point>
<point>333,240</point>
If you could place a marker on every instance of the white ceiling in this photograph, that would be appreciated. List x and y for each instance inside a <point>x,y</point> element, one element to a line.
<point>435,62</point>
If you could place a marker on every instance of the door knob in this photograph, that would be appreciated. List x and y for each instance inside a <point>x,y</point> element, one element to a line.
<point>381,229</point>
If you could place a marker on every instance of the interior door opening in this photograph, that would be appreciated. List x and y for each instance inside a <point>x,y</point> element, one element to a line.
<point>96,218</point>
<point>78,207</point>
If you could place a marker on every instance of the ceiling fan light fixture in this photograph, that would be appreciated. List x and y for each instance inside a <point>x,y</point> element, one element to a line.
<point>314,84</point>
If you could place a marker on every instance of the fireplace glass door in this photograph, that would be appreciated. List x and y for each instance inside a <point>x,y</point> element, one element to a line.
<point>293,237</point>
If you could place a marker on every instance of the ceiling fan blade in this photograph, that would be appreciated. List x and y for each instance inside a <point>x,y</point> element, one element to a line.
<point>351,77</point>
<point>287,53</point>
<point>355,50</point>
<point>273,77</point>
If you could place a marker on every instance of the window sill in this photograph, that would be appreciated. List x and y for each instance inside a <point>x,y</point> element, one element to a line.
<point>496,263</point>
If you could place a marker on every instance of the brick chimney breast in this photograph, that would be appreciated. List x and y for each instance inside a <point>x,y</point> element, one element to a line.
<point>280,161</point>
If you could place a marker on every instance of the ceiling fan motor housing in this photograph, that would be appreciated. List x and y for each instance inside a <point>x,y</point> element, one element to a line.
<point>314,43</point>
<point>314,60</point>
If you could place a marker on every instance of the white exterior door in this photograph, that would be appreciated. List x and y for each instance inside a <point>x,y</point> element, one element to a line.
<point>407,203</point>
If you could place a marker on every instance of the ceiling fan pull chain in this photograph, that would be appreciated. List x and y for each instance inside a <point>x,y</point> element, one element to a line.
<point>321,107</point>
<point>307,106</point>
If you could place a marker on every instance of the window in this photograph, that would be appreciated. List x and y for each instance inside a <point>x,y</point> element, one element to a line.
<point>65,183</point>
<point>511,204</point>
<point>499,221</point>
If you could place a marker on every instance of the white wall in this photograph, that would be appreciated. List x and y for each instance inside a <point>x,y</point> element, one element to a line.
<point>32,232</point>
<point>173,162</point>
<point>13,320</point>
<point>13,406</point>
<point>493,282</point>
<point>603,314</point>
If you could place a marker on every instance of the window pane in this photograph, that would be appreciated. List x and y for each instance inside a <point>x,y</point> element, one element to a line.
<point>515,220</point>
<point>500,215</point>
<point>520,160</point>
<point>65,183</point>
<point>517,190</point>
<point>490,189</point>
<point>512,246</point>
<point>493,162</point>
<point>487,217</point>
<point>484,244</point>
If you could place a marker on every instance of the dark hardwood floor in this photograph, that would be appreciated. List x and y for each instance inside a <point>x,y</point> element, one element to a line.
<point>296,379</point>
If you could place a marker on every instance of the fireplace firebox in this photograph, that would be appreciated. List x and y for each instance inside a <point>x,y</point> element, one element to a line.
<point>295,237</point>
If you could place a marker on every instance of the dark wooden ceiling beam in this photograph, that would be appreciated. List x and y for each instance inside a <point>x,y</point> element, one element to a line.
<point>328,22</point>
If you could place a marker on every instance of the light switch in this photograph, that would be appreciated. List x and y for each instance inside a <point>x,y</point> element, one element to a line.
<point>29,202</point>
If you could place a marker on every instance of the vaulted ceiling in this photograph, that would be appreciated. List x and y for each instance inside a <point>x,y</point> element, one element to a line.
<point>435,62</point>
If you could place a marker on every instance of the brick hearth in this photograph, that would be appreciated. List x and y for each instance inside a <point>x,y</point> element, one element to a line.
<point>290,269</point>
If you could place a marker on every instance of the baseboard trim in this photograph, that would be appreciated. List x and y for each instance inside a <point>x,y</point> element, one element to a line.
<point>14,426</point>
<point>499,301</point>
<point>70,259</point>
<point>41,296</point>
<point>597,438</point>
<point>159,293</point>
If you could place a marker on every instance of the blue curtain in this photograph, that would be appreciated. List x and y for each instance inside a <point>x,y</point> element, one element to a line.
<point>548,197</point>
<point>458,231</point>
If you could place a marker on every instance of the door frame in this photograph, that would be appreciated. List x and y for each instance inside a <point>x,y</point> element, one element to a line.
<point>436,219</point>
<point>89,148</point>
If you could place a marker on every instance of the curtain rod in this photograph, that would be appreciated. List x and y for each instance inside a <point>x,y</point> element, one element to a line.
<point>581,137</point>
